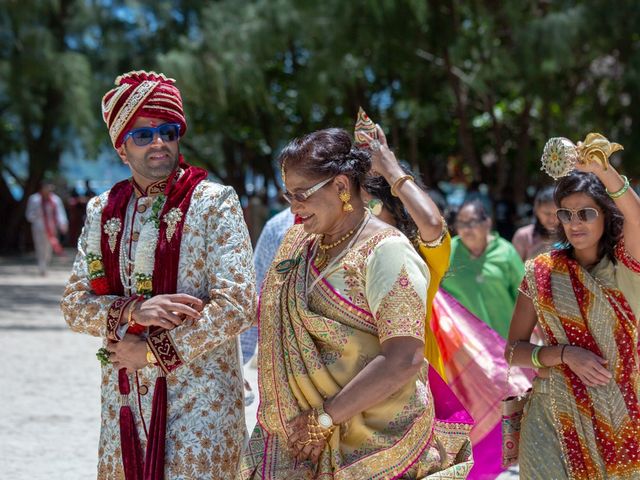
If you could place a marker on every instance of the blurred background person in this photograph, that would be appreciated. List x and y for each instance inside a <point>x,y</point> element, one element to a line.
<point>45,211</point>
<point>538,236</point>
<point>266,248</point>
<point>76,208</point>
<point>506,213</point>
<point>485,269</point>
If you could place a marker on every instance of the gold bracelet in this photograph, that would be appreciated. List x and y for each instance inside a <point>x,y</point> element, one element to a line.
<point>399,181</point>
<point>151,358</point>
<point>622,191</point>
<point>315,431</point>
<point>130,321</point>
<point>438,241</point>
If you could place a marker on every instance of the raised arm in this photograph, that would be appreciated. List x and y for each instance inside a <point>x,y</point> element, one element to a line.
<point>626,200</point>
<point>419,205</point>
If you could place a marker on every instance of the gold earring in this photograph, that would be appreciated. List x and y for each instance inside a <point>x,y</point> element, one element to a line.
<point>345,197</point>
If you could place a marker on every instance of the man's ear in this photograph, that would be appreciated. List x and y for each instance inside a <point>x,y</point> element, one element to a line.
<point>122,153</point>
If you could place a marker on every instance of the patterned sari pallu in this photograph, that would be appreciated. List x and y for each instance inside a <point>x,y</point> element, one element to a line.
<point>597,427</point>
<point>310,348</point>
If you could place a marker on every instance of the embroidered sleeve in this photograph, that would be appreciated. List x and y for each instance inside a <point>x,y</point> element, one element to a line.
<point>524,288</point>
<point>162,346</point>
<point>624,257</point>
<point>84,311</point>
<point>227,257</point>
<point>396,287</point>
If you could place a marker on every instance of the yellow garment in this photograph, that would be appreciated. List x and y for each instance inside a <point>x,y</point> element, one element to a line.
<point>314,341</point>
<point>437,260</point>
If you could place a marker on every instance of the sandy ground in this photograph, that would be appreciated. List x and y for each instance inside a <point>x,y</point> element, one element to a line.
<point>49,386</point>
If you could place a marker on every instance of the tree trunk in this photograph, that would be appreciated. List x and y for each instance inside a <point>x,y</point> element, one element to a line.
<point>520,174</point>
<point>464,131</point>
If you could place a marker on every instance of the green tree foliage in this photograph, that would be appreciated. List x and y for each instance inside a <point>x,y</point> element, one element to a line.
<point>480,84</point>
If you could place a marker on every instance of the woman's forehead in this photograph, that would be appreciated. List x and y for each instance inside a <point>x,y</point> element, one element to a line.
<point>578,200</point>
<point>297,181</point>
<point>468,211</point>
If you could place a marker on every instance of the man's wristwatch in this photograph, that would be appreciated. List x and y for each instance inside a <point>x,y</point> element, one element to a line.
<point>324,419</point>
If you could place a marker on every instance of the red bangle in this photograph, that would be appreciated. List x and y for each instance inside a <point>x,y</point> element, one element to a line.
<point>562,354</point>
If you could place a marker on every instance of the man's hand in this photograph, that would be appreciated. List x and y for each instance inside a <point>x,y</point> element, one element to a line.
<point>129,353</point>
<point>167,311</point>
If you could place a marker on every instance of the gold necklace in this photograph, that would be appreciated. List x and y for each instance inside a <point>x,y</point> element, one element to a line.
<point>322,257</point>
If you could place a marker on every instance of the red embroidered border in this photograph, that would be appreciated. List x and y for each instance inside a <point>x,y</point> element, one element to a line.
<point>165,351</point>
<point>114,315</point>
<point>627,260</point>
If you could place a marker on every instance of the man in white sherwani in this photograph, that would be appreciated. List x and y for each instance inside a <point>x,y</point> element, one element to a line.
<point>45,211</point>
<point>164,274</point>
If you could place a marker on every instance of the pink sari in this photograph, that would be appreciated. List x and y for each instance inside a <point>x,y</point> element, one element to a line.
<point>476,370</point>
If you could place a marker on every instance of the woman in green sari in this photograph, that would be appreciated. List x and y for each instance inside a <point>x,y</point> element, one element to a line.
<point>583,417</point>
<point>345,392</point>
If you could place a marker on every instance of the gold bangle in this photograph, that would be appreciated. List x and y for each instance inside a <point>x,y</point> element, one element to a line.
<point>622,191</point>
<point>433,243</point>
<point>399,181</point>
<point>315,431</point>
<point>130,321</point>
<point>151,358</point>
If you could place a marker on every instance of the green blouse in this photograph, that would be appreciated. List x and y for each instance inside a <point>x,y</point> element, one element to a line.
<point>488,285</point>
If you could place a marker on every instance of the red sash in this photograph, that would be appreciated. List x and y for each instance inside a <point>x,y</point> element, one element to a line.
<point>165,277</point>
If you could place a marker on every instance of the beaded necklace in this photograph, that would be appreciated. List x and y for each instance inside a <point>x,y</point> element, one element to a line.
<point>323,274</point>
<point>322,257</point>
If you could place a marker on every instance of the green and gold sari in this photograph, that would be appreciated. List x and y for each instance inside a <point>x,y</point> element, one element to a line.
<point>312,344</point>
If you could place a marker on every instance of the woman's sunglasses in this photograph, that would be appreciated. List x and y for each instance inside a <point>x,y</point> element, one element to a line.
<point>585,215</point>
<point>169,132</point>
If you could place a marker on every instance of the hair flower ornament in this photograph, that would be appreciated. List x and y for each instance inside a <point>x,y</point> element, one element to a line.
<point>560,155</point>
<point>596,148</point>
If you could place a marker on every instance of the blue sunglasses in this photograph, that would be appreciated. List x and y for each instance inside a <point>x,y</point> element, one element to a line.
<point>169,132</point>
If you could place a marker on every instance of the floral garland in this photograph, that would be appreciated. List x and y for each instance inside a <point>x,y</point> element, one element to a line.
<point>145,253</point>
<point>93,258</point>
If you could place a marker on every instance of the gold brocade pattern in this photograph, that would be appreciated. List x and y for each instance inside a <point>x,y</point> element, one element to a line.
<point>310,349</point>
<point>396,315</point>
<point>205,417</point>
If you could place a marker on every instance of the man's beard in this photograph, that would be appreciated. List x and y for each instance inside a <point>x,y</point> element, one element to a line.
<point>164,168</point>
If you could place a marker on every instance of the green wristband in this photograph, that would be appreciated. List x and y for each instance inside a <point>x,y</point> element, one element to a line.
<point>622,191</point>
<point>534,357</point>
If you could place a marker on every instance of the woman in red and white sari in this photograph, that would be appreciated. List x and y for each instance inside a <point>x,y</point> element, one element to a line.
<point>583,417</point>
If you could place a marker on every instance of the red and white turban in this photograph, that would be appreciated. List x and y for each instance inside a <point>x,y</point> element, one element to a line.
<point>140,93</point>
